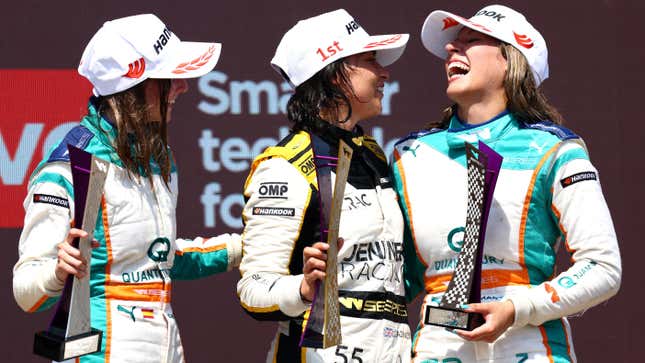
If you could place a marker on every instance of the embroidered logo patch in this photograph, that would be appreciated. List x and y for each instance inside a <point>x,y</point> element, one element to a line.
<point>272,211</point>
<point>159,249</point>
<point>274,190</point>
<point>51,199</point>
<point>575,178</point>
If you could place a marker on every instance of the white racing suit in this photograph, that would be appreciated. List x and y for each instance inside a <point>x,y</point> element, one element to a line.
<point>547,194</point>
<point>136,258</point>
<point>282,217</point>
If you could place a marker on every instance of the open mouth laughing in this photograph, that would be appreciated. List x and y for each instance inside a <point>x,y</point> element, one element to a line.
<point>457,69</point>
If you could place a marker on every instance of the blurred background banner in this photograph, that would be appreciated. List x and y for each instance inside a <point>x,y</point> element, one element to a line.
<point>231,114</point>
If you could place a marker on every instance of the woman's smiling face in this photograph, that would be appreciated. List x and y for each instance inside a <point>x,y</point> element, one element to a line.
<point>475,67</point>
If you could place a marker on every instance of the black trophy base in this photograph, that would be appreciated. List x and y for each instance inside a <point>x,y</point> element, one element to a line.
<point>59,348</point>
<point>452,318</point>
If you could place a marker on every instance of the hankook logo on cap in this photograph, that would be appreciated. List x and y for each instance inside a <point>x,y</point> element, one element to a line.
<point>163,40</point>
<point>351,26</point>
<point>492,14</point>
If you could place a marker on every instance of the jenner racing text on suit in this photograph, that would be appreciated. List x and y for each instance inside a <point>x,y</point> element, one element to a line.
<point>282,217</point>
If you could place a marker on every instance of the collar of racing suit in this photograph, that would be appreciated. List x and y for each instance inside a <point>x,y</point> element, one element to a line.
<point>367,169</point>
<point>460,132</point>
<point>102,127</point>
<point>333,134</point>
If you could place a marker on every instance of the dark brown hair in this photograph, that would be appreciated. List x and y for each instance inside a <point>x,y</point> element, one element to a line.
<point>326,94</point>
<point>525,100</point>
<point>140,141</point>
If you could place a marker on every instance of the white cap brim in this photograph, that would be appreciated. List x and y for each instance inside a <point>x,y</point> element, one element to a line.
<point>437,31</point>
<point>442,27</point>
<point>190,60</point>
<point>389,48</point>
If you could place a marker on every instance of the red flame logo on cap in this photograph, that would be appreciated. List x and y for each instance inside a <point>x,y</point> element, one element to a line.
<point>449,23</point>
<point>523,40</point>
<point>136,68</point>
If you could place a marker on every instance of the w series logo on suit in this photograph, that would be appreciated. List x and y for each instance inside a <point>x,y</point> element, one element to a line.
<point>273,190</point>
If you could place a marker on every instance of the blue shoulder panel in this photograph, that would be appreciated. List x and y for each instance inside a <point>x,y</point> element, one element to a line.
<point>418,134</point>
<point>79,136</point>
<point>547,126</point>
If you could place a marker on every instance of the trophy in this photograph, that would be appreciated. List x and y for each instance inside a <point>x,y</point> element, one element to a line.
<point>324,316</point>
<point>465,286</point>
<point>70,334</point>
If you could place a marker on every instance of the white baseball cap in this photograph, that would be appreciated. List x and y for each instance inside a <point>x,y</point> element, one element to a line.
<point>313,43</point>
<point>499,22</point>
<point>127,51</point>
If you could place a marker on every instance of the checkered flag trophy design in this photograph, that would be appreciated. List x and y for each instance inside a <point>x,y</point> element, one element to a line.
<point>70,334</point>
<point>465,286</point>
<point>324,317</point>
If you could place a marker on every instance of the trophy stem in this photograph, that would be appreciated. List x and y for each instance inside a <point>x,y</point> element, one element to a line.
<point>70,333</point>
<point>324,316</point>
<point>483,166</point>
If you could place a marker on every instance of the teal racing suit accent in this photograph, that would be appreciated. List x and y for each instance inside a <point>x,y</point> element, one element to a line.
<point>548,193</point>
<point>137,257</point>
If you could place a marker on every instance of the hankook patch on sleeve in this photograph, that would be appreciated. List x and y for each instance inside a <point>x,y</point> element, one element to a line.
<point>575,178</point>
<point>51,199</point>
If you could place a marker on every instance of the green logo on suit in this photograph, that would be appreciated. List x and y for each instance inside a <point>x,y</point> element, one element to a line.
<point>159,249</point>
<point>456,245</point>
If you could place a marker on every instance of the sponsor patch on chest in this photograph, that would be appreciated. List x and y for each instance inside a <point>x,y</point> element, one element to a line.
<point>273,190</point>
<point>273,211</point>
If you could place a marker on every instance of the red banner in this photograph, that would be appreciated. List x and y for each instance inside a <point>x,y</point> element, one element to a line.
<point>38,107</point>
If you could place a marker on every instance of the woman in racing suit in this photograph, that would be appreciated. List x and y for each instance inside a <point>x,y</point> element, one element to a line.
<point>337,69</point>
<point>136,253</point>
<point>547,193</point>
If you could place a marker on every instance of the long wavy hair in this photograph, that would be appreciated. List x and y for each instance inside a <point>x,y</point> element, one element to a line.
<point>140,141</point>
<point>319,102</point>
<point>525,100</point>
